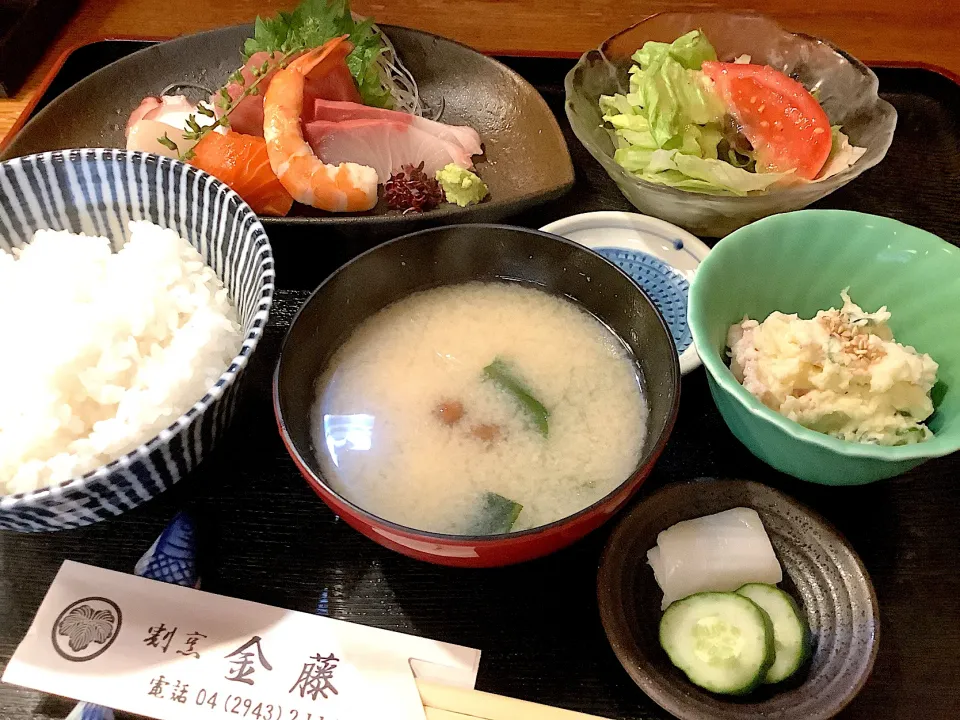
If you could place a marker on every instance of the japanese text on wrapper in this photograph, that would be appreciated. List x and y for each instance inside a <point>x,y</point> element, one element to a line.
<point>315,683</point>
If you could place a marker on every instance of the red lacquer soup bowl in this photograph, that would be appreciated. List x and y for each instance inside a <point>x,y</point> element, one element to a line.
<point>448,256</point>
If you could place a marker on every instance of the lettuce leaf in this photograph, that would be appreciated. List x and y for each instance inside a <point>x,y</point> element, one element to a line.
<point>668,85</point>
<point>842,154</point>
<point>690,51</point>
<point>313,23</point>
<point>690,172</point>
<point>725,176</point>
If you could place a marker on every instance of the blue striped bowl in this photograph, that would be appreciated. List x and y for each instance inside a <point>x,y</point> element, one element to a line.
<point>97,192</point>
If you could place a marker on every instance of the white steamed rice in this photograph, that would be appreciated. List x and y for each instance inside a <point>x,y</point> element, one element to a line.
<point>102,349</point>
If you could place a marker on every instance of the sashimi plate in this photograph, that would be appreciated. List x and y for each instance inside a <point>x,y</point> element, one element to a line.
<point>525,160</point>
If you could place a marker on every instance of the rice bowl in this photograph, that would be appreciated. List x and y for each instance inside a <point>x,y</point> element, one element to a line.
<point>98,192</point>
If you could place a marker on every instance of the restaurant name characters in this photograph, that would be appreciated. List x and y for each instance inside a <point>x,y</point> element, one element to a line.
<point>166,651</point>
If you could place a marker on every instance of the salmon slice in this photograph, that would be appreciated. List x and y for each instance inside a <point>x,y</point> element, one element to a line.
<point>384,145</point>
<point>331,110</point>
<point>330,82</point>
<point>241,162</point>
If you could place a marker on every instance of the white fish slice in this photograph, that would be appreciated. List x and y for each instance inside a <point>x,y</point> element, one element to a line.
<point>714,553</point>
<point>333,111</point>
<point>384,145</point>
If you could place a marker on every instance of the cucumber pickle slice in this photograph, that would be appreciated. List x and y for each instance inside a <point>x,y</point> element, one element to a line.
<point>791,633</point>
<point>724,642</point>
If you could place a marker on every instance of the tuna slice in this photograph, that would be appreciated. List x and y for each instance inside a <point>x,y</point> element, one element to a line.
<point>334,84</point>
<point>334,111</point>
<point>384,145</point>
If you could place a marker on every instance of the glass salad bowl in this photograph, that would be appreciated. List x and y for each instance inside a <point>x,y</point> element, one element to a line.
<point>845,88</point>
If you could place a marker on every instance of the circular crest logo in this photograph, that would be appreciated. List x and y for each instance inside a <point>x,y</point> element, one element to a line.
<point>86,628</point>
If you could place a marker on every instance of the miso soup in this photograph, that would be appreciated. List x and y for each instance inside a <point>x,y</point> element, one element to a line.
<point>477,409</point>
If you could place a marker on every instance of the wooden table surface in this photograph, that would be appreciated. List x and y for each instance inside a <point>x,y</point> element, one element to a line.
<point>873,30</point>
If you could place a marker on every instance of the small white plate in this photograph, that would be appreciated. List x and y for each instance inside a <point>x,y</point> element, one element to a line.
<point>660,257</point>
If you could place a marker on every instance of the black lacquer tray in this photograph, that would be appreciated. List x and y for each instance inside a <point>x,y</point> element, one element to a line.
<point>265,536</point>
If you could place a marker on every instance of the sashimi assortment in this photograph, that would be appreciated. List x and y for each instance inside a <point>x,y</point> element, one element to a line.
<point>693,123</point>
<point>321,113</point>
<point>725,623</point>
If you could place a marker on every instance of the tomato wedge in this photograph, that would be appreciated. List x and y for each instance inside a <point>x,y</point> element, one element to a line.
<point>785,124</point>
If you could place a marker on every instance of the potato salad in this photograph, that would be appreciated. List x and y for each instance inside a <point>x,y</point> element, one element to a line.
<point>840,373</point>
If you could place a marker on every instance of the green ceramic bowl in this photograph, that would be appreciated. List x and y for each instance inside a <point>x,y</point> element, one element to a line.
<point>799,262</point>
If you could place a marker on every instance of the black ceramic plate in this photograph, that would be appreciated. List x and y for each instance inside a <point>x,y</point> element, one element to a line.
<point>525,162</point>
<point>820,570</point>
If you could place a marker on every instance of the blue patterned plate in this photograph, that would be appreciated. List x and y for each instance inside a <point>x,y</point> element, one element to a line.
<point>661,257</point>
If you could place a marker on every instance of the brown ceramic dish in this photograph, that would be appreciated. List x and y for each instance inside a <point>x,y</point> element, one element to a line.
<point>525,162</point>
<point>821,570</point>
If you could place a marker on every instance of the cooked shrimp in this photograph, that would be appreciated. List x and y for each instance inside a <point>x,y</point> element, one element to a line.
<point>345,187</point>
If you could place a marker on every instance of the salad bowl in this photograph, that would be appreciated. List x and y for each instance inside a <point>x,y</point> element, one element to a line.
<point>845,88</point>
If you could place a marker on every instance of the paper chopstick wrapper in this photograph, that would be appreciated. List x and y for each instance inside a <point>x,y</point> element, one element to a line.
<point>172,558</point>
<point>443,702</point>
<point>175,653</point>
